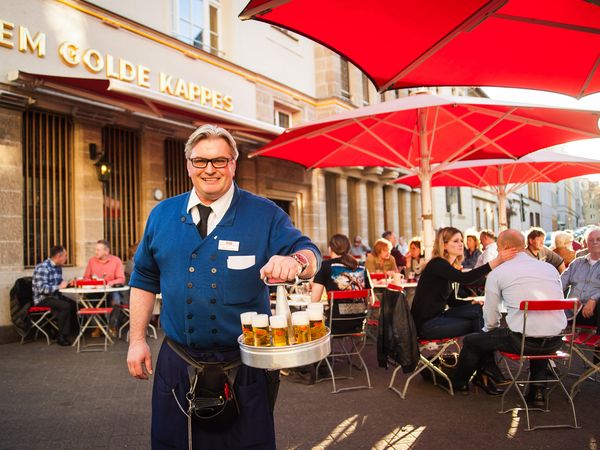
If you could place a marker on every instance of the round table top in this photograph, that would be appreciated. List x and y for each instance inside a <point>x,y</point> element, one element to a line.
<point>93,289</point>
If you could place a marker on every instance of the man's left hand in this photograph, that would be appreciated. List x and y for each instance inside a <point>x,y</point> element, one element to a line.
<point>588,309</point>
<point>281,268</point>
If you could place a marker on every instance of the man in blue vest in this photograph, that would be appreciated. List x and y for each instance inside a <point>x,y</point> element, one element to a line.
<point>207,252</point>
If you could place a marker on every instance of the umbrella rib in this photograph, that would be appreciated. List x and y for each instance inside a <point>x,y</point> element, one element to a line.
<point>549,23</point>
<point>262,9</point>
<point>536,122</point>
<point>588,80</point>
<point>468,24</point>
<point>355,147</point>
<point>382,142</point>
<point>433,129</point>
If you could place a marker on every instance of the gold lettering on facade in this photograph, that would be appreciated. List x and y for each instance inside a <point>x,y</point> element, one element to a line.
<point>143,77</point>
<point>93,60</point>
<point>205,95</point>
<point>227,103</point>
<point>126,70</point>
<point>26,41</point>
<point>181,89</point>
<point>6,34</point>
<point>110,67</point>
<point>217,100</point>
<point>164,84</point>
<point>68,53</point>
<point>193,91</point>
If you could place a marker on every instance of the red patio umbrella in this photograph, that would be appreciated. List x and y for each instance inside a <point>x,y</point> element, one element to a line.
<point>415,132</point>
<point>505,176</point>
<point>552,45</point>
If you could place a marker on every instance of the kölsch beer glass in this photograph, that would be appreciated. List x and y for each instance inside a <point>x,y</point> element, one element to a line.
<point>315,318</point>
<point>279,330</point>
<point>260,328</point>
<point>246,319</point>
<point>301,326</point>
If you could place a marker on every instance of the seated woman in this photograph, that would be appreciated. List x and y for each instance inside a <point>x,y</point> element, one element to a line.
<point>472,252</point>
<point>415,259</point>
<point>341,272</point>
<point>381,261</point>
<point>432,319</point>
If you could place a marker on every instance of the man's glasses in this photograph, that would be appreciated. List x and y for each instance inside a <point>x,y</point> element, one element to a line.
<point>217,163</point>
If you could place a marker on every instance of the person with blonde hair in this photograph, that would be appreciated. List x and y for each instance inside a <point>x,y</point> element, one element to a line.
<point>381,261</point>
<point>434,290</point>
<point>563,246</point>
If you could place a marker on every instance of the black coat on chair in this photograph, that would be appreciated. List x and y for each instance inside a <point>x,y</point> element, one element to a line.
<point>21,299</point>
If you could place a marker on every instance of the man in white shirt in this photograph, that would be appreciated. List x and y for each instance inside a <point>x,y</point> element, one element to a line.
<point>521,278</point>
<point>490,248</point>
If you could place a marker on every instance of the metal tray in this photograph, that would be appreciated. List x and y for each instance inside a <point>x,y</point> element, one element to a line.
<point>287,356</point>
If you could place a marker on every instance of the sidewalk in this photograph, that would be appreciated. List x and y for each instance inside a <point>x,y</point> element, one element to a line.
<point>54,398</point>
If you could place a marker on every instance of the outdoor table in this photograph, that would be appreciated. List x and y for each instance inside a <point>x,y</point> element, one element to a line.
<point>82,296</point>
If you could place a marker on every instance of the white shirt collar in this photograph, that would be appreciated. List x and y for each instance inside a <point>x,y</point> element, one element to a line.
<point>219,207</point>
<point>590,260</point>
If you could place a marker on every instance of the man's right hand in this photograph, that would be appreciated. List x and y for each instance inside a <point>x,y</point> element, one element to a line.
<point>588,309</point>
<point>139,360</point>
<point>63,285</point>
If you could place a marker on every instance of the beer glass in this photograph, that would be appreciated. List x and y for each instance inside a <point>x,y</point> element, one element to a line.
<point>246,319</point>
<point>301,326</point>
<point>279,330</point>
<point>315,318</point>
<point>260,328</point>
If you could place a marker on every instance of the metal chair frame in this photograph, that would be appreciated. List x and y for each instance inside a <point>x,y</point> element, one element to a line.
<point>40,317</point>
<point>528,306</point>
<point>586,345</point>
<point>440,347</point>
<point>350,344</point>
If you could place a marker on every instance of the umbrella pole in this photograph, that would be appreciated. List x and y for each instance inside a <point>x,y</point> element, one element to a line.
<point>503,225</point>
<point>425,177</point>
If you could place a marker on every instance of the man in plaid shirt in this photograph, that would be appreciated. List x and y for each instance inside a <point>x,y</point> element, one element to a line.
<point>47,281</point>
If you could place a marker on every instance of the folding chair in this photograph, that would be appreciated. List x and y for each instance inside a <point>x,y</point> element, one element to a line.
<point>532,307</point>
<point>92,317</point>
<point>439,347</point>
<point>40,316</point>
<point>374,306</point>
<point>586,345</point>
<point>347,322</point>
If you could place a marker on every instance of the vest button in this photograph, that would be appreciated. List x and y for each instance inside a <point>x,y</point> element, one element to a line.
<point>190,285</point>
<point>214,331</point>
<point>213,300</point>
<point>213,285</point>
<point>213,270</point>
<point>189,301</point>
<point>191,330</point>
<point>194,256</point>
<point>189,316</point>
<point>213,317</point>
<point>182,218</point>
<point>191,269</point>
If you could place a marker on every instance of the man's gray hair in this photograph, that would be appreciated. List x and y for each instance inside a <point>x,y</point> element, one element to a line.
<point>209,131</point>
<point>589,231</point>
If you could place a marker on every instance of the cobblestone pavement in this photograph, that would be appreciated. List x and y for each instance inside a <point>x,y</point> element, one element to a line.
<point>54,398</point>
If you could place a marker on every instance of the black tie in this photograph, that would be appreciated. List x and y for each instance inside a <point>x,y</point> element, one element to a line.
<point>203,224</point>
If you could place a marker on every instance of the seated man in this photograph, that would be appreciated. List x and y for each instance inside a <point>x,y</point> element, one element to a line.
<point>582,281</point>
<point>490,248</point>
<point>396,253</point>
<point>522,278</point>
<point>46,283</point>
<point>107,267</point>
<point>537,250</point>
<point>358,249</point>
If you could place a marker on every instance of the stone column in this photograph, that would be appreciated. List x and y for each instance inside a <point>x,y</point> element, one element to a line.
<point>363,210</point>
<point>152,173</point>
<point>342,201</point>
<point>316,212</point>
<point>11,213</point>
<point>377,211</point>
<point>391,209</point>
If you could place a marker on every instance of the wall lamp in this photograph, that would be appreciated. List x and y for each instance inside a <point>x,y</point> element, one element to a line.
<point>103,166</point>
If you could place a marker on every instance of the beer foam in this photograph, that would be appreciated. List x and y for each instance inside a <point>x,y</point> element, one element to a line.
<point>246,317</point>
<point>316,306</point>
<point>260,321</point>
<point>315,314</point>
<point>300,318</point>
<point>278,321</point>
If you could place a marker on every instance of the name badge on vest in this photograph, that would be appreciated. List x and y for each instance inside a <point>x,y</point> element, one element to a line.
<point>232,246</point>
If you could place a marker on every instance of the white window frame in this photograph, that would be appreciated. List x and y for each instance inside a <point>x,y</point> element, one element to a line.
<point>206,26</point>
<point>278,111</point>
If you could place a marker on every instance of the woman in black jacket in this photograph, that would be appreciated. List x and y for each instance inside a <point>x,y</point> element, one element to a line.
<point>429,311</point>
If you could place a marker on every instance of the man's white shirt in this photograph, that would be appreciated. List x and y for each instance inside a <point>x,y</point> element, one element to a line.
<point>523,278</point>
<point>219,208</point>
<point>490,252</point>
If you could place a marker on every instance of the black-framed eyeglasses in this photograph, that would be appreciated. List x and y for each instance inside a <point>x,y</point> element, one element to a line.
<point>217,163</point>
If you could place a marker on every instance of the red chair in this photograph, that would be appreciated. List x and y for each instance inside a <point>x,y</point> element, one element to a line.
<point>41,317</point>
<point>347,322</point>
<point>532,307</point>
<point>586,345</point>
